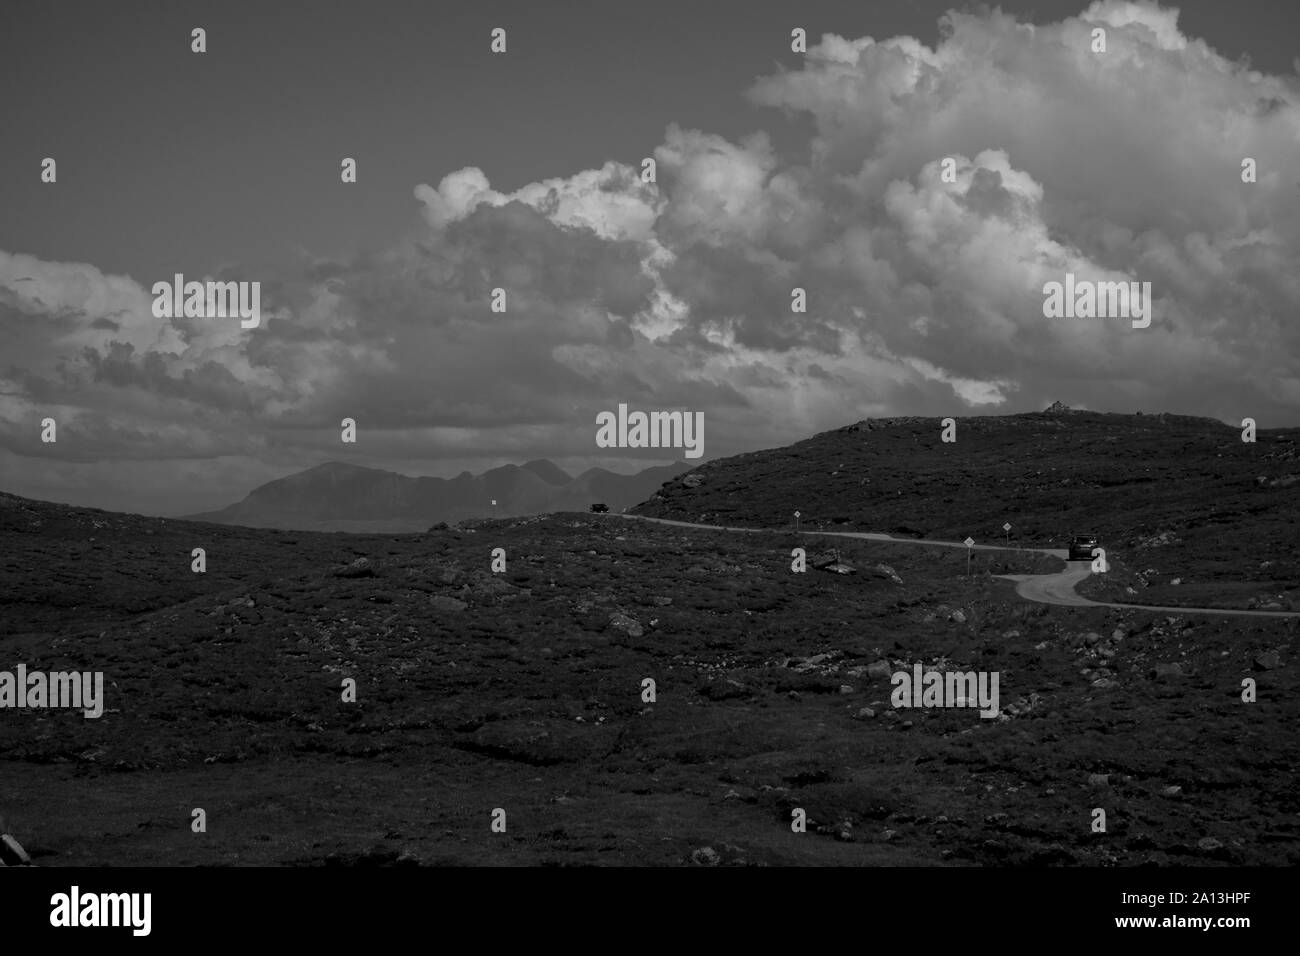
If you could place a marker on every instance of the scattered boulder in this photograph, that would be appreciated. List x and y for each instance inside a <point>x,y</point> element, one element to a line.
<point>1267,661</point>
<point>12,853</point>
<point>446,604</point>
<point>885,571</point>
<point>705,856</point>
<point>625,623</point>
<point>880,669</point>
<point>1166,672</point>
<point>360,568</point>
<point>957,617</point>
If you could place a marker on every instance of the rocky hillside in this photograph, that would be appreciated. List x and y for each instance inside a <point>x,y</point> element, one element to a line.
<point>524,690</point>
<point>1173,497</point>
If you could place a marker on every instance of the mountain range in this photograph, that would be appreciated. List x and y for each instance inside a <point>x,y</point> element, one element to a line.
<point>336,496</point>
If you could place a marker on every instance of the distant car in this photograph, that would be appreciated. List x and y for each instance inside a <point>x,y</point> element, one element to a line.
<point>1081,546</point>
<point>600,508</point>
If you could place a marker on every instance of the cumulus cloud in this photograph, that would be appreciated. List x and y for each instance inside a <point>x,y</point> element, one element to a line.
<point>924,294</point>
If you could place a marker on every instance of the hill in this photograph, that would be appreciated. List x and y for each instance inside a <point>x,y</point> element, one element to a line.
<point>1189,512</point>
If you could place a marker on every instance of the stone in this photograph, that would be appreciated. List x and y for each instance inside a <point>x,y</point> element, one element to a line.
<point>1098,779</point>
<point>880,669</point>
<point>628,625</point>
<point>1267,661</point>
<point>706,856</point>
<point>957,617</point>
<point>448,605</point>
<point>1166,672</point>
<point>360,568</point>
<point>12,853</point>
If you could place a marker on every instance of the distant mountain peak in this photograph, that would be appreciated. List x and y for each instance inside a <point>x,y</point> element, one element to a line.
<point>548,471</point>
<point>1056,408</point>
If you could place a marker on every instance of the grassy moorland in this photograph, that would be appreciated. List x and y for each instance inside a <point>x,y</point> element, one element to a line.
<point>1189,514</point>
<point>523,690</point>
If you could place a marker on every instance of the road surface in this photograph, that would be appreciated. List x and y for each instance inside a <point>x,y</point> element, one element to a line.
<point>1056,588</point>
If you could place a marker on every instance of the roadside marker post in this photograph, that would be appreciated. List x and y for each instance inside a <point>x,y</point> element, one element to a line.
<point>1007,528</point>
<point>796,522</point>
<point>970,542</point>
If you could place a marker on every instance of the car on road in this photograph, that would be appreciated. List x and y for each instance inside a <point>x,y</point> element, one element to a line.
<point>1081,546</point>
<point>600,508</point>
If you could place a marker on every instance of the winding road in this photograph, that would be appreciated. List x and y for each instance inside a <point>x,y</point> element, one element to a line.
<point>1056,588</point>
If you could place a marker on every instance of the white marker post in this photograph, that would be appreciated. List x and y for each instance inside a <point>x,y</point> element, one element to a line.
<point>796,522</point>
<point>494,507</point>
<point>1007,528</point>
<point>970,543</point>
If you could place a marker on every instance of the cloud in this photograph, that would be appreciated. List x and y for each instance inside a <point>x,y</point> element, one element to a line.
<point>924,295</point>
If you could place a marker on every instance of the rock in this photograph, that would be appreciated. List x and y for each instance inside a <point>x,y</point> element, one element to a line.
<point>957,617</point>
<point>1091,638</point>
<point>12,853</point>
<point>816,661</point>
<point>706,856</point>
<point>1171,791</point>
<point>1165,672</point>
<point>360,568</point>
<point>1267,661</point>
<point>866,713</point>
<point>1098,779</point>
<point>692,481</point>
<point>1209,844</point>
<point>662,601</point>
<point>448,605</point>
<point>880,669</point>
<point>490,586</point>
<point>846,688</point>
<point>886,571</point>
<point>449,576</point>
<point>1176,581</point>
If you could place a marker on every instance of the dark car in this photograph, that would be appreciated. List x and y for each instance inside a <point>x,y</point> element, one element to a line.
<point>1081,546</point>
<point>600,508</point>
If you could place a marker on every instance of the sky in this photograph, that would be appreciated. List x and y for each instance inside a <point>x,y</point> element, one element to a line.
<point>775,169</point>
